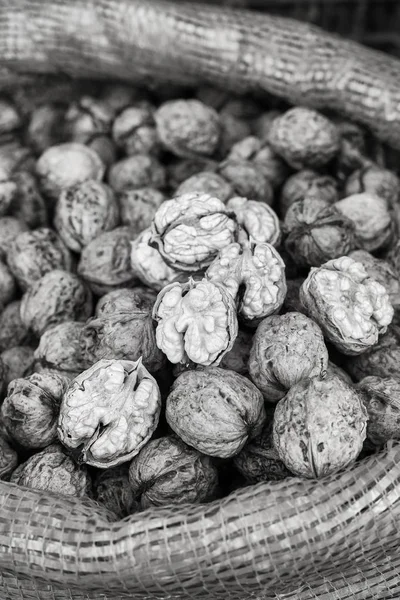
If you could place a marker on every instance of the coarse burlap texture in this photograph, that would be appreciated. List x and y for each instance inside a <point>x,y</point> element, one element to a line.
<point>331,539</point>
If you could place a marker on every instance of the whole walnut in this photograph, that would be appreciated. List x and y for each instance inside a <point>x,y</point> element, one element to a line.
<point>181,169</point>
<point>105,263</point>
<point>188,127</point>
<point>13,332</point>
<point>105,148</point>
<point>308,184</point>
<point>317,232</point>
<point>17,362</point>
<point>31,408</point>
<point>138,207</point>
<point>238,357</point>
<point>45,127</point>
<point>381,360</point>
<point>286,349</point>
<point>319,427</point>
<point>333,369</point>
<point>28,204</point>
<point>34,253</point>
<point>247,179</point>
<point>382,271</point>
<point>206,182</point>
<point>8,458</point>
<point>8,288</point>
<point>84,211</point>
<point>61,349</point>
<point>381,397</point>
<point>57,297</point>
<point>10,228</point>
<point>66,165</point>
<point>304,138</point>
<point>259,461</point>
<point>167,471</point>
<point>51,470</point>
<point>138,171</point>
<point>374,180</point>
<point>86,117</point>
<point>353,152</point>
<point>8,192</point>
<point>134,130</point>
<point>10,119</point>
<point>112,489</point>
<point>374,225</point>
<point>125,300</point>
<point>233,129</point>
<point>351,308</point>
<point>215,411</point>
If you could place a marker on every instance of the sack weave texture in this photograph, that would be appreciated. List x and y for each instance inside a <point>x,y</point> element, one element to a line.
<point>335,539</point>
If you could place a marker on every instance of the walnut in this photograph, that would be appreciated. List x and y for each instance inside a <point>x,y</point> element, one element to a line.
<point>376,181</point>
<point>353,148</point>
<point>308,184</point>
<point>247,179</point>
<point>126,333</point>
<point>134,130</point>
<point>374,226</point>
<point>84,211</point>
<point>254,275</point>
<point>233,129</point>
<point>125,300</point>
<point>33,254</point>
<point>181,169</point>
<point>109,412</point>
<point>57,297</point>
<point>196,321</point>
<point>10,119</point>
<point>61,349</point>
<point>381,397</point>
<point>28,205</point>
<point>382,360</point>
<point>112,489</point>
<point>258,221</point>
<point>304,138</point>
<point>118,96</point>
<point>8,458</point>
<point>66,165</point>
<point>8,192</point>
<point>319,427</point>
<point>167,471</point>
<point>17,362</point>
<point>10,228</point>
<point>105,148</point>
<point>317,232</point>
<point>12,330</point>
<point>138,171</point>
<point>333,369</point>
<point>189,231</point>
<point>188,127</point>
<point>259,461</point>
<point>87,117</point>
<point>351,308</point>
<point>382,271</point>
<point>138,207</point>
<point>31,407</point>
<point>286,349</point>
<point>206,182</point>
<point>149,266</point>
<point>45,127</point>
<point>215,411</point>
<point>8,288</point>
<point>51,470</point>
<point>105,263</point>
<point>238,357</point>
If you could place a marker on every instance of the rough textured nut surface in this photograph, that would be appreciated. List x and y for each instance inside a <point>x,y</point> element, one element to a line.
<point>34,253</point>
<point>31,407</point>
<point>382,360</point>
<point>247,179</point>
<point>17,362</point>
<point>376,181</point>
<point>215,411</point>
<point>110,412</point>
<point>8,192</point>
<point>374,225</point>
<point>333,369</point>
<point>319,427</point>
<point>12,330</point>
<point>60,348</point>
<point>381,397</point>
<point>57,297</point>
<point>52,471</point>
<point>8,288</point>
<point>8,458</point>
<point>351,308</point>
<point>112,489</point>
<point>10,228</point>
<point>196,321</point>
<point>233,129</point>
<point>125,300</point>
<point>66,165</point>
<point>206,182</point>
<point>86,117</point>
<point>317,232</point>
<point>181,169</point>
<point>167,471</point>
<point>286,349</point>
<point>138,171</point>
<point>149,266</point>
<point>254,275</point>
<point>259,222</point>
<point>237,359</point>
<point>105,263</point>
<point>28,204</point>
<point>304,138</point>
<point>308,184</point>
<point>382,271</point>
<point>105,148</point>
<point>188,127</point>
<point>189,231</point>
<point>84,211</point>
<point>138,208</point>
<point>134,131</point>
<point>45,127</point>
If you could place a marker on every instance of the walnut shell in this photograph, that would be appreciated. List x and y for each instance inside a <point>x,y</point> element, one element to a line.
<point>381,360</point>
<point>206,182</point>
<point>138,207</point>
<point>319,427</point>
<point>61,348</point>
<point>29,205</point>
<point>112,489</point>
<point>167,471</point>
<point>138,171</point>
<point>238,357</point>
<point>17,362</point>
<point>308,184</point>
<point>376,181</point>
<point>381,397</point>
<point>247,180</point>
<point>8,458</point>
<point>10,228</point>
<point>134,130</point>
<point>125,300</point>
<point>8,288</point>
<point>215,411</point>
<point>12,330</point>
<point>86,117</point>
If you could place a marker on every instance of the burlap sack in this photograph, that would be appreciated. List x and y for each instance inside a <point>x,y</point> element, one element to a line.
<point>330,539</point>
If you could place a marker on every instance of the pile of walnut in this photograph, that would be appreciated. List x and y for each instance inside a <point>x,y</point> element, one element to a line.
<point>198,293</point>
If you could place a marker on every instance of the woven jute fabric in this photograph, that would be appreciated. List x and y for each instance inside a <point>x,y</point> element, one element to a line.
<point>333,539</point>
